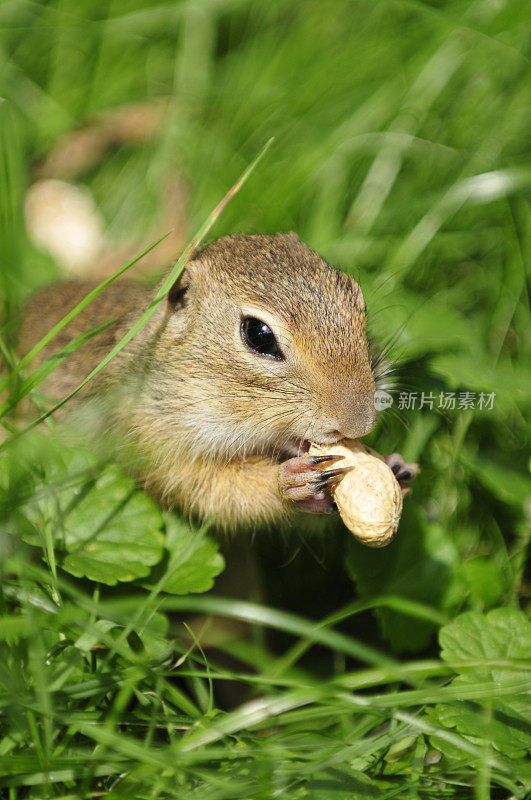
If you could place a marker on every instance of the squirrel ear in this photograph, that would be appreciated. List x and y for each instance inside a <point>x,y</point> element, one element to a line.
<point>177,294</point>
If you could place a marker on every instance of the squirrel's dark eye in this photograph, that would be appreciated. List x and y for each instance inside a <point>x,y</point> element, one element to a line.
<point>260,338</point>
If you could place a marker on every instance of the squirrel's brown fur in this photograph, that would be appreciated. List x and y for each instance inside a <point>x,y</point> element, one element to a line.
<point>210,421</point>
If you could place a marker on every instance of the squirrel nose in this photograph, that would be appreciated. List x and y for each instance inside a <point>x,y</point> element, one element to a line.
<point>349,408</point>
<point>355,424</point>
<point>363,425</point>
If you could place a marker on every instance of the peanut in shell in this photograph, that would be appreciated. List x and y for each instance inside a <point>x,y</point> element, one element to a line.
<point>369,497</point>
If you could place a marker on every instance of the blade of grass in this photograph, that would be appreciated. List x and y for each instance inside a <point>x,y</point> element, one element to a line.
<point>162,292</point>
<point>42,372</point>
<point>52,333</point>
<point>401,604</point>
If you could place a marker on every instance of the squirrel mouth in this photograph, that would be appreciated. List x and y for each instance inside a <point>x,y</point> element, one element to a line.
<point>297,447</point>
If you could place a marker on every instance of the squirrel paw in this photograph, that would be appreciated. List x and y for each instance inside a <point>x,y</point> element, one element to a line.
<point>403,472</point>
<point>306,483</point>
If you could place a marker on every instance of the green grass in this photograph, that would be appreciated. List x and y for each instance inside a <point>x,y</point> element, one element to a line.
<point>401,154</point>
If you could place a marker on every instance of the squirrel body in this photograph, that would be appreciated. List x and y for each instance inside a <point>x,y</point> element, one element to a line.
<point>259,348</point>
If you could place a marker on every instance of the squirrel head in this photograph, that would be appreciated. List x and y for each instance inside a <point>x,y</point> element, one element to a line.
<point>264,345</point>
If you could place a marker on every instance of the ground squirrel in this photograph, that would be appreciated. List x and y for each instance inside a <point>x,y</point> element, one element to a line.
<point>259,348</point>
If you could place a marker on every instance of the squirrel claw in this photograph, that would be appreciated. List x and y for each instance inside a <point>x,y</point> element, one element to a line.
<point>403,472</point>
<point>322,459</point>
<point>302,481</point>
<point>330,477</point>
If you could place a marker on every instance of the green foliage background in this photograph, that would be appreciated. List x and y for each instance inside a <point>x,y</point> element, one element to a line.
<point>401,154</point>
